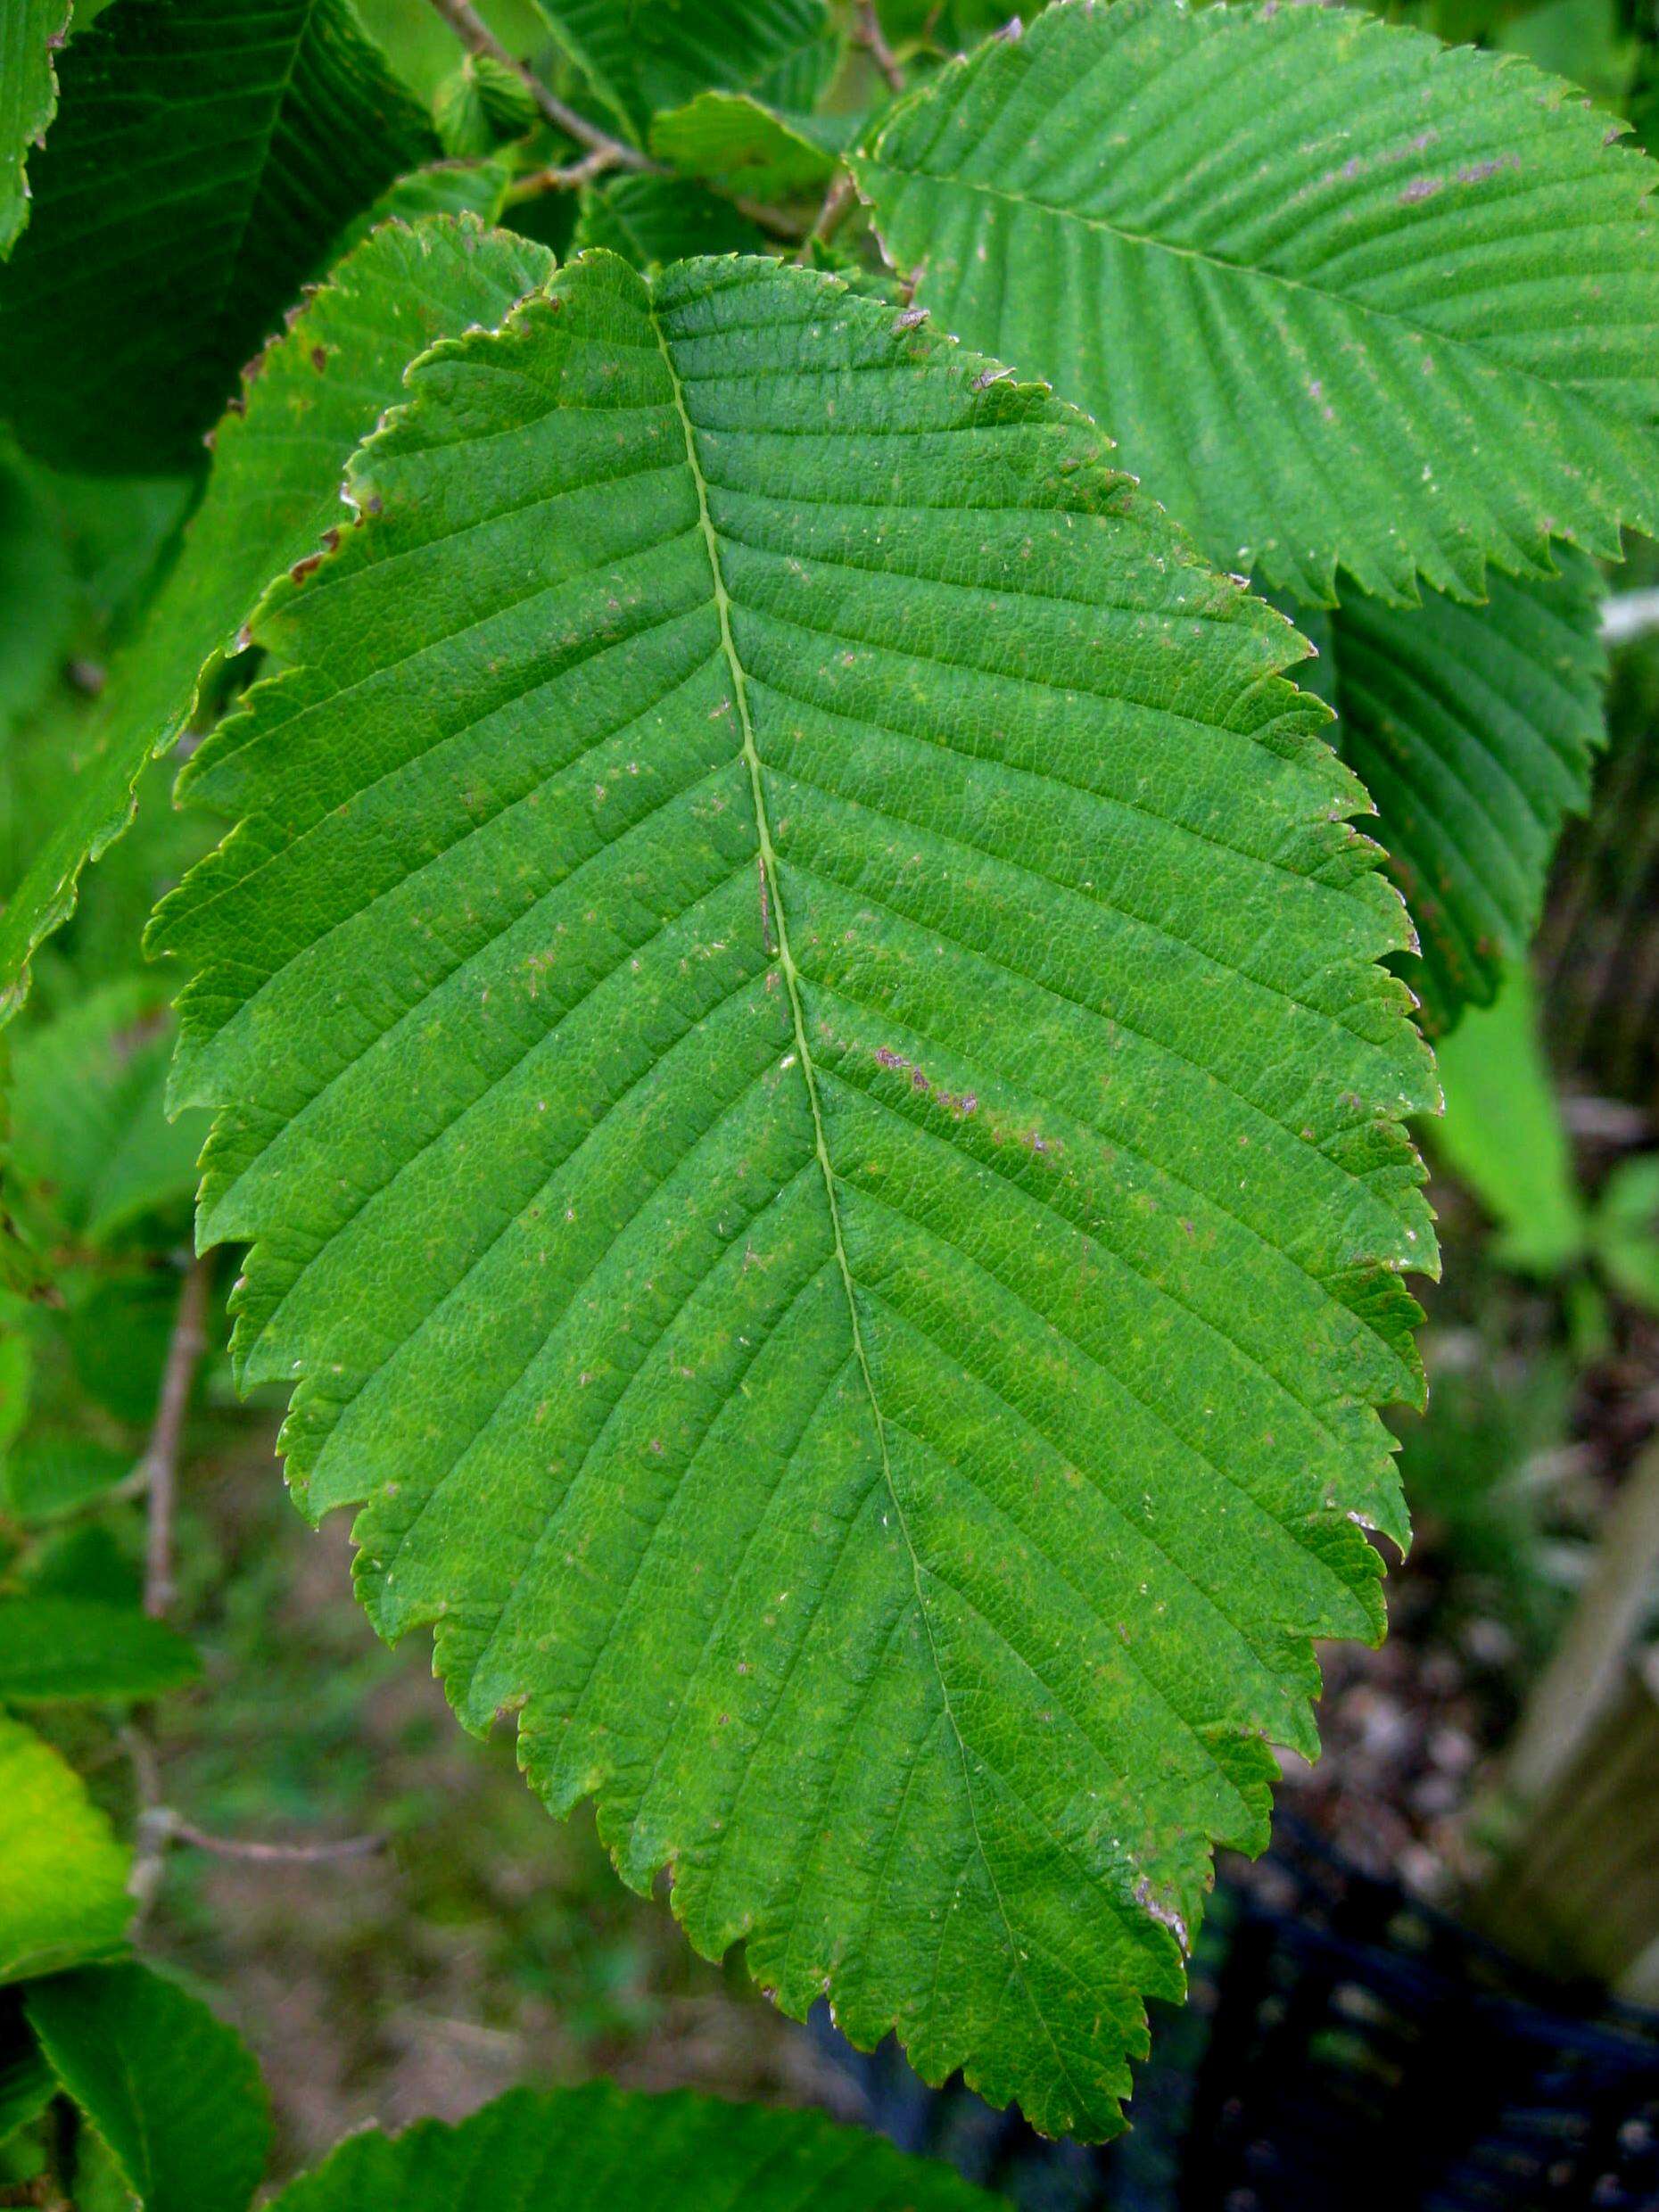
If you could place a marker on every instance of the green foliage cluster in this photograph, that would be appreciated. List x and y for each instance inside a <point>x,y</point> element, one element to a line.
<point>806,1000</point>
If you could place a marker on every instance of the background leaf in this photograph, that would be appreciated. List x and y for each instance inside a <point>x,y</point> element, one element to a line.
<point>207,156</point>
<point>807,1080</point>
<point>88,1125</point>
<point>653,220</point>
<point>273,495</point>
<point>1503,1134</point>
<point>173,2093</point>
<point>30,33</point>
<point>1343,295</point>
<point>52,1473</point>
<point>1475,730</point>
<point>37,592</point>
<point>639,56</point>
<point>26,2083</point>
<point>482,101</point>
<point>727,138</point>
<point>64,1897</point>
<point>58,1649</point>
<point>577,2148</point>
<point>1624,1232</point>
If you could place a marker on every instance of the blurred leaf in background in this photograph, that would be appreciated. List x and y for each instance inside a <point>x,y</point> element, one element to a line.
<point>1502,1132</point>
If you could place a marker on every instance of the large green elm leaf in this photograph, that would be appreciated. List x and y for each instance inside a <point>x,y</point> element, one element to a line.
<point>173,2093</point>
<point>799,1045</point>
<point>30,33</point>
<point>1473,729</point>
<point>274,493</point>
<point>643,55</point>
<point>574,2149</point>
<point>1343,295</point>
<point>208,153</point>
<point>64,1896</point>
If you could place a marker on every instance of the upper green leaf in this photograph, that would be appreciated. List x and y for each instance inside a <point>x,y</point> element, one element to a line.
<point>64,1896</point>
<point>1343,295</point>
<point>483,101</point>
<point>54,1649</point>
<point>795,1012</point>
<point>579,2147</point>
<point>643,55</point>
<point>651,220</point>
<point>173,2093</point>
<point>729,139</point>
<point>1473,729</point>
<point>30,33</point>
<point>271,499</point>
<point>207,156</point>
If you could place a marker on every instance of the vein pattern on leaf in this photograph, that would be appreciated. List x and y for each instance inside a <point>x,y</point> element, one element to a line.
<point>173,2092</point>
<point>649,220</point>
<point>639,60</point>
<point>280,453</point>
<point>1473,729</point>
<point>572,2149</point>
<point>800,1045</point>
<point>209,154</point>
<point>1344,295</point>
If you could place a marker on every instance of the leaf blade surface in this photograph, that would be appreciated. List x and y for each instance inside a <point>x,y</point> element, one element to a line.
<point>29,36</point>
<point>1475,730</point>
<point>273,495</point>
<point>173,2092</point>
<point>776,1083</point>
<point>208,154</point>
<point>1343,295</point>
<point>575,2147</point>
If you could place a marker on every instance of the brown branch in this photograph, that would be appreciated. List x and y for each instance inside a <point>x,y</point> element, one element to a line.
<point>568,177</point>
<point>473,33</point>
<point>275,1853</point>
<point>153,1826</point>
<point>838,204</point>
<point>868,31</point>
<point>160,1465</point>
<point>785,228</point>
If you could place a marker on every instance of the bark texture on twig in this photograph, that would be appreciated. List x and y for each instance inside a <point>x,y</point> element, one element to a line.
<point>159,1468</point>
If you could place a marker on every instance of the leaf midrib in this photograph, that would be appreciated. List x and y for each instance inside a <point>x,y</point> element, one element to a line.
<point>771,878</point>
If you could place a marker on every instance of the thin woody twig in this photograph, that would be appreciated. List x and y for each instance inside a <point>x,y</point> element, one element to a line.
<point>473,33</point>
<point>158,1827</point>
<point>153,1826</point>
<point>160,1465</point>
<point>838,202</point>
<point>568,177</point>
<point>276,1853</point>
<point>868,31</point>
